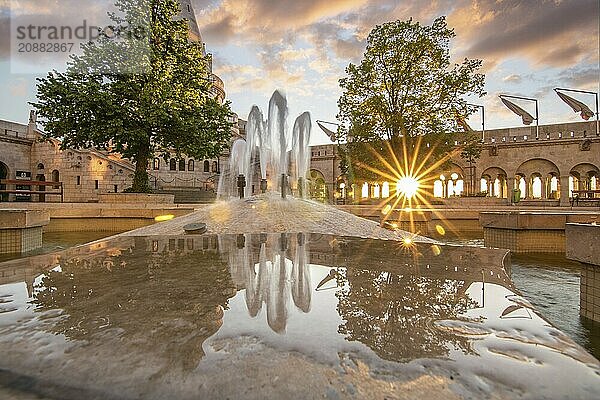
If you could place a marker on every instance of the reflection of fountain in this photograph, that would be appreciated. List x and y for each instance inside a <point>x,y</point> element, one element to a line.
<point>270,278</point>
<point>281,155</point>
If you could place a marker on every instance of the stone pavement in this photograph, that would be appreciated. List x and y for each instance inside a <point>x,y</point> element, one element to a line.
<point>270,214</point>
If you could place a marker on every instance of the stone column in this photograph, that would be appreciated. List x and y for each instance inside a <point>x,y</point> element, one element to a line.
<point>545,184</point>
<point>510,185</point>
<point>564,190</point>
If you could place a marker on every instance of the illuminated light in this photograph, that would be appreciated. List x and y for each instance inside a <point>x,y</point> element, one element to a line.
<point>440,229</point>
<point>408,186</point>
<point>253,206</point>
<point>407,241</point>
<point>162,218</point>
<point>436,249</point>
<point>394,225</point>
<point>386,210</point>
<point>407,209</point>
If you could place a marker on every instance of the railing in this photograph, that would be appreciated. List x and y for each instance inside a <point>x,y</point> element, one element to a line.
<point>42,184</point>
<point>591,196</point>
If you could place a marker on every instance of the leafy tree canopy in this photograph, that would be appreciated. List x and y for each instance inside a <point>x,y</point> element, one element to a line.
<point>138,97</point>
<point>404,88</point>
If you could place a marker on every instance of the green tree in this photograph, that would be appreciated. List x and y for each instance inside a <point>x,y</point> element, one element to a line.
<point>147,95</point>
<point>404,88</point>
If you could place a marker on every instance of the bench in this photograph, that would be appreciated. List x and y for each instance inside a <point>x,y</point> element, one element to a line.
<point>585,196</point>
<point>41,185</point>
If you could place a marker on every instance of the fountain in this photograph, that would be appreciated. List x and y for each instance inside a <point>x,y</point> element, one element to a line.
<point>272,295</point>
<point>279,157</point>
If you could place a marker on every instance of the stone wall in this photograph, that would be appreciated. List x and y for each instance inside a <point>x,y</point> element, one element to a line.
<point>85,173</point>
<point>583,242</point>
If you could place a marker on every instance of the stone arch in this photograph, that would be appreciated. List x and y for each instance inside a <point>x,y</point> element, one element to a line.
<point>540,177</point>
<point>56,177</point>
<point>493,182</point>
<point>318,186</point>
<point>445,180</point>
<point>537,165</point>
<point>583,176</point>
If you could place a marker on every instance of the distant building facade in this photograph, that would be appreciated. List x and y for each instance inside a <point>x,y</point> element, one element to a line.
<point>545,169</point>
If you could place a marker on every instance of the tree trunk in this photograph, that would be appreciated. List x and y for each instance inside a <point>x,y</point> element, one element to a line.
<point>140,178</point>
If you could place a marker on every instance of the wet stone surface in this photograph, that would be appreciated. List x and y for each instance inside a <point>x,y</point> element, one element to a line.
<point>258,316</point>
<point>270,213</point>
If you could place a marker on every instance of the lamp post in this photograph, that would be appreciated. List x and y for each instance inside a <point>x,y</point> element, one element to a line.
<point>333,136</point>
<point>577,106</point>
<point>521,112</point>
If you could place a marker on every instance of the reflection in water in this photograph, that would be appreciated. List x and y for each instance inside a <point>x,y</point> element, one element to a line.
<point>392,313</point>
<point>270,278</point>
<point>167,301</point>
<point>165,312</point>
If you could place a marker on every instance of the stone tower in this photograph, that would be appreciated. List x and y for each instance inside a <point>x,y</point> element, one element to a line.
<point>187,12</point>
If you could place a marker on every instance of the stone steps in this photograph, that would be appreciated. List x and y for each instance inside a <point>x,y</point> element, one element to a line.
<point>190,195</point>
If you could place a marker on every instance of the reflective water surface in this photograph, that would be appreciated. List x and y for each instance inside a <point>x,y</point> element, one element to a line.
<point>551,283</point>
<point>294,315</point>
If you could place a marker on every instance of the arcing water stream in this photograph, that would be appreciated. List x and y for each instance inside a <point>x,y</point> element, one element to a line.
<point>271,152</point>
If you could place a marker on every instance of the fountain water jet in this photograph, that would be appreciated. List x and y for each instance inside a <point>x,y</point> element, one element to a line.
<point>278,153</point>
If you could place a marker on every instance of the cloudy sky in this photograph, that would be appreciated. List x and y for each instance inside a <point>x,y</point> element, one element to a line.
<point>302,47</point>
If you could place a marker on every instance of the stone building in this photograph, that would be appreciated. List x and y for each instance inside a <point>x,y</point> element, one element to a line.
<point>83,173</point>
<point>87,173</point>
<point>545,169</point>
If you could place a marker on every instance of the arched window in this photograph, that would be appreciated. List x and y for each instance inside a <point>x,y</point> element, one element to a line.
<point>536,187</point>
<point>156,164</point>
<point>460,187</point>
<point>215,167</point>
<point>182,165</point>
<point>172,164</point>
<point>438,188</point>
<point>40,166</point>
<point>365,190</point>
<point>206,166</point>
<point>190,165</point>
<point>55,178</point>
<point>484,185</point>
<point>376,191</point>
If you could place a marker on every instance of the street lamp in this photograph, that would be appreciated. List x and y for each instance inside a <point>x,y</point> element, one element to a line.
<point>578,106</point>
<point>479,106</point>
<point>333,136</point>
<point>527,118</point>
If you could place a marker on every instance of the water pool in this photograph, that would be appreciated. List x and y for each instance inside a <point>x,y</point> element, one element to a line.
<point>278,315</point>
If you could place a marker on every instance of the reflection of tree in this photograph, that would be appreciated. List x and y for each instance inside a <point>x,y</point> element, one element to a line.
<point>393,314</point>
<point>163,303</point>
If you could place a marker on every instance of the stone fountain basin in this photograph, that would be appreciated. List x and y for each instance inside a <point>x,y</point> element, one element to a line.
<point>278,315</point>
